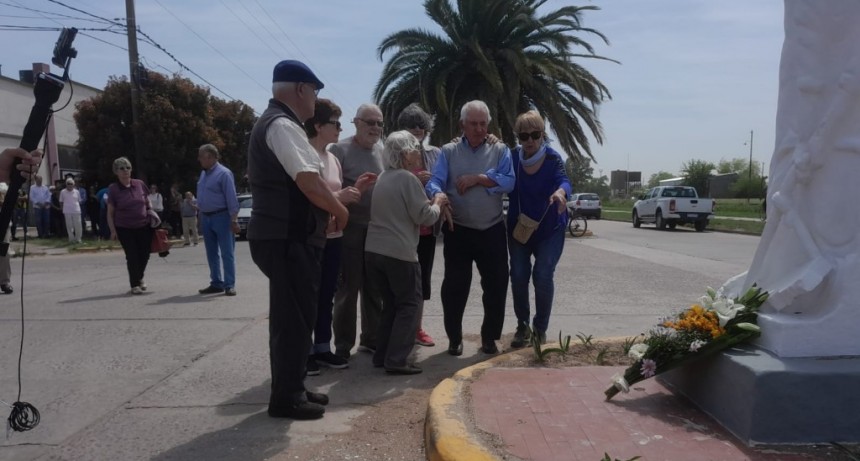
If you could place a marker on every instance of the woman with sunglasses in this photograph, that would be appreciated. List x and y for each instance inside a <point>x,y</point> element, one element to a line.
<point>540,193</point>
<point>324,129</point>
<point>419,123</point>
<point>128,217</point>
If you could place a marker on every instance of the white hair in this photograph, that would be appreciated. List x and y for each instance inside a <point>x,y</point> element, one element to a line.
<point>476,105</point>
<point>367,107</point>
<point>395,145</point>
<point>277,87</point>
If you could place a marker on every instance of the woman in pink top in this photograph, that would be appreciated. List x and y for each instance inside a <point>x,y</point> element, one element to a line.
<point>324,129</point>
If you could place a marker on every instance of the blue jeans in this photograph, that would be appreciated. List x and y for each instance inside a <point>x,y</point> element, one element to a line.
<point>43,221</point>
<point>218,238</point>
<point>328,285</point>
<point>546,255</point>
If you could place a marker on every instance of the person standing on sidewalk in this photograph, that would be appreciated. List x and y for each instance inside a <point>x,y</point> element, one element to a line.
<point>540,193</point>
<point>219,211</point>
<point>29,162</point>
<point>157,201</point>
<point>188,209</point>
<point>287,232</point>
<point>358,155</point>
<point>70,200</point>
<point>40,201</point>
<point>473,175</point>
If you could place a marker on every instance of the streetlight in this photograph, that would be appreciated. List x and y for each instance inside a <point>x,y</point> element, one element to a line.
<point>749,180</point>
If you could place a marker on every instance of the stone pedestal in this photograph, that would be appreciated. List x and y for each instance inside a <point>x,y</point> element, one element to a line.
<point>765,399</point>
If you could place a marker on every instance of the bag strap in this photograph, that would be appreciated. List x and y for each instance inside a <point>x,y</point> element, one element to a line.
<point>520,205</point>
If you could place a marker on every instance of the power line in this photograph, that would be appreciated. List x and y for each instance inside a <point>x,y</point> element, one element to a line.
<point>43,13</point>
<point>250,29</point>
<point>86,13</point>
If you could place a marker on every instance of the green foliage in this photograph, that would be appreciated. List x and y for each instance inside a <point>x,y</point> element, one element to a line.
<point>601,356</point>
<point>696,174</point>
<point>176,118</point>
<point>578,171</point>
<point>735,165</point>
<point>586,340</point>
<point>502,52</point>
<point>655,178</point>
<point>628,343</point>
<point>564,343</point>
<point>542,353</point>
<point>745,187</point>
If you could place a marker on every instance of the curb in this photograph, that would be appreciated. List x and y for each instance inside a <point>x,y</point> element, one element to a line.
<point>446,435</point>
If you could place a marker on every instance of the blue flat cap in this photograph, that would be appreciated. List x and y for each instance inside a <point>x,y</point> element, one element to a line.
<point>291,70</point>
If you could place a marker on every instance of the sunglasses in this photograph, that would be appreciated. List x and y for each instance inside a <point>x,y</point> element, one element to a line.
<point>123,168</point>
<point>332,122</point>
<point>316,90</point>
<point>534,135</point>
<point>379,123</point>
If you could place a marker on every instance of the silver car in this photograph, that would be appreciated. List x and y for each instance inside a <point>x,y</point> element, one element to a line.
<point>245,203</point>
<point>586,204</point>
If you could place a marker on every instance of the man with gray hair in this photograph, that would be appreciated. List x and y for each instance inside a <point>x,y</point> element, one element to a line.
<point>473,175</point>
<point>219,214</point>
<point>292,207</point>
<point>359,155</point>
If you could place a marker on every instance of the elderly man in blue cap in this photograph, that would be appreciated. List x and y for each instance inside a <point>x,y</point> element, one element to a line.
<point>287,232</point>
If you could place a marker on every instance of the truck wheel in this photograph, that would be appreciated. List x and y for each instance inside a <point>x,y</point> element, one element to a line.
<point>661,223</point>
<point>636,221</point>
<point>701,225</point>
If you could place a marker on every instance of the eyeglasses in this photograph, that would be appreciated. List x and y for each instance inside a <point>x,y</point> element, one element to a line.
<point>534,135</point>
<point>316,90</point>
<point>123,168</point>
<point>332,122</point>
<point>378,123</point>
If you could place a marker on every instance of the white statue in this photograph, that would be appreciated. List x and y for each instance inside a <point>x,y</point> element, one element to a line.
<point>809,255</point>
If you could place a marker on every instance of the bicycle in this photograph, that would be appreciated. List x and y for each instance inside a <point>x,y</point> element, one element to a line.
<point>577,225</point>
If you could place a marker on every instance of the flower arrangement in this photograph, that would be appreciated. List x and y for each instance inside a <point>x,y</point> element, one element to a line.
<point>714,324</point>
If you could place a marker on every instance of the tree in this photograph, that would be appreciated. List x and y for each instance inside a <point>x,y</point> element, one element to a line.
<point>735,165</point>
<point>176,117</point>
<point>696,174</point>
<point>579,172</point>
<point>655,178</point>
<point>505,54</point>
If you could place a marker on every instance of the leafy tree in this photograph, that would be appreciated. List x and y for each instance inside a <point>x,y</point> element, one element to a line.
<point>655,178</point>
<point>176,117</point>
<point>735,165</point>
<point>504,53</point>
<point>579,172</point>
<point>696,174</point>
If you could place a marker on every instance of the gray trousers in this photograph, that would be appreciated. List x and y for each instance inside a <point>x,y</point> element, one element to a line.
<point>351,282</point>
<point>399,283</point>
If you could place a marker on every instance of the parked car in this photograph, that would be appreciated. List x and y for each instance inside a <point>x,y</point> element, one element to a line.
<point>586,204</point>
<point>673,205</point>
<point>245,203</point>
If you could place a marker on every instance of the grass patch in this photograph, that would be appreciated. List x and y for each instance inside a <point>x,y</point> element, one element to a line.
<point>717,223</point>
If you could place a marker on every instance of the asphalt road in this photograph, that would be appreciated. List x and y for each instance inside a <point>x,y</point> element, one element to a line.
<point>175,375</point>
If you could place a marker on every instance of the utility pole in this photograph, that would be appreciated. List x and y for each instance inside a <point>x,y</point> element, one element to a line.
<point>134,65</point>
<point>749,181</point>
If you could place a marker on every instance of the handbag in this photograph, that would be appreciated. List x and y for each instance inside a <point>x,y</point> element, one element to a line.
<point>526,226</point>
<point>160,243</point>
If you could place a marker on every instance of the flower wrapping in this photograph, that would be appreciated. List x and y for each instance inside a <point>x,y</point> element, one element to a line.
<point>714,324</point>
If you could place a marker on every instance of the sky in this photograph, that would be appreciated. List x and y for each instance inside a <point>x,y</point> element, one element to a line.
<point>695,78</point>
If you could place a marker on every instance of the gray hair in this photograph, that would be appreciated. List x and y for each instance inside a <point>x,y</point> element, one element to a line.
<point>122,161</point>
<point>395,145</point>
<point>477,105</point>
<point>414,116</point>
<point>367,107</point>
<point>211,150</point>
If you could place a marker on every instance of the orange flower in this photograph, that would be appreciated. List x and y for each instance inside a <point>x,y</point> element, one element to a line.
<point>696,318</point>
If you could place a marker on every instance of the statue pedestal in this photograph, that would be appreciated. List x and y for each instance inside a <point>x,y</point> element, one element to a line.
<point>764,399</point>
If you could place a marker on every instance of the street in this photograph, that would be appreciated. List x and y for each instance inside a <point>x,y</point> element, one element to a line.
<point>175,375</point>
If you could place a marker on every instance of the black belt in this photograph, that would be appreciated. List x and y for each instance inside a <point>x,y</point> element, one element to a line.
<point>210,213</point>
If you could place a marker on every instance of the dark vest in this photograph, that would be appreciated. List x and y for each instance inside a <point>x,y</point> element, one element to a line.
<point>280,209</point>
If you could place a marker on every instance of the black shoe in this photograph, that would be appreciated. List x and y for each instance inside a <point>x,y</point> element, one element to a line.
<point>521,337</point>
<point>342,354</point>
<point>304,410</point>
<point>312,367</point>
<point>230,292</point>
<point>330,360</point>
<point>210,290</point>
<point>455,349</point>
<point>6,288</point>
<point>317,398</point>
<point>489,347</point>
<point>405,370</point>
<point>541,336</point>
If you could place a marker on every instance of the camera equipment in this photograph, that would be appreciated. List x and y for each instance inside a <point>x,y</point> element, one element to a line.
<point>47,90</point>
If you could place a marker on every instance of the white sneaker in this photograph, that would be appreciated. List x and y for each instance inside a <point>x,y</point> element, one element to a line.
<point>143,285</point>
<point>136,291</point>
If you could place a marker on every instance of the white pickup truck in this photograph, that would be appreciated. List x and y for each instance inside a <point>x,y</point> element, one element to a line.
<point>673,205</point>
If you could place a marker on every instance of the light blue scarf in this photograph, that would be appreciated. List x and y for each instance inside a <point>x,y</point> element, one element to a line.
<point>534,159</point>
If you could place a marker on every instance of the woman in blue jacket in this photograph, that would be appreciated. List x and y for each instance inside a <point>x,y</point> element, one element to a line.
<point>535,240</point>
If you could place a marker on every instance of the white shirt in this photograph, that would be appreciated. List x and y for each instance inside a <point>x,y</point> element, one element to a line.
<point>156,201</point>
<point>290,144</point>
<point>71,200</point>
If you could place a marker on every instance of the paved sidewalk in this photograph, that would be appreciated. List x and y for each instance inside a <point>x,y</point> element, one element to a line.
<point>558,414</point>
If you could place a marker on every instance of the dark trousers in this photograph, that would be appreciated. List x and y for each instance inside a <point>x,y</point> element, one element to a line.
<point>351,282</point>
<point>19,216</point>
<point>294,272</point>
<point>136,243</point>
<point>488,249</point>
<point>328,285</point>
<point>426,254</point>
<point>399,284</point>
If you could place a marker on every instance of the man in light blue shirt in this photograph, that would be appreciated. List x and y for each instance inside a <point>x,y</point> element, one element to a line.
<point>219,211</point>
<point>40,203</point>
<point>473,175</point>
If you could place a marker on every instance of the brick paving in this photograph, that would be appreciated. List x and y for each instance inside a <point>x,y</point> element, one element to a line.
<point>558,414</point>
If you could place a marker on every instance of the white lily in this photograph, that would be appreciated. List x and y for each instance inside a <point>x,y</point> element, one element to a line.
<point>620,383</point>
<point>749,326</point>
<point>637,351</point>
<point>726,310</point>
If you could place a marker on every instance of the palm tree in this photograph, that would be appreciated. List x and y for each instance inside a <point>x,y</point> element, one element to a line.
<point>504,53</point>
